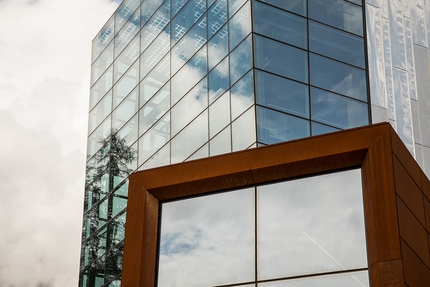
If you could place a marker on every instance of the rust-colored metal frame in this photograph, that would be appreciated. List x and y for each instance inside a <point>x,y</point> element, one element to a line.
<point>372,147</point>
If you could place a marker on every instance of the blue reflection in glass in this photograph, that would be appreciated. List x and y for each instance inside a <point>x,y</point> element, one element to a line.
<point>336,44</point>
<point>338,77</point>
<point>280,25</point>
<point>218,47</point>
<point>187,17</point>
<point>337,13</point>
<point>337,111</point>
<point>319,129</point>
<point>217,16</point>
<point>219,80</point>
<point>274,127</point>
<point>147,9</point>
<point>282,94</point>
<point>240,60</point>
<point>281,59</point>
<point>298,6</point>
<point>240,26</point>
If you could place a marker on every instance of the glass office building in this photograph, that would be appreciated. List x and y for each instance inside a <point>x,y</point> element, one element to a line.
<point>177,80</point>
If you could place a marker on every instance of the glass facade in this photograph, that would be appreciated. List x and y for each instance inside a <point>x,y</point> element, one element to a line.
<point>177,80</point>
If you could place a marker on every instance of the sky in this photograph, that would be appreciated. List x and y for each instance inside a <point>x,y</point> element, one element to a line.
<point>45,48</point>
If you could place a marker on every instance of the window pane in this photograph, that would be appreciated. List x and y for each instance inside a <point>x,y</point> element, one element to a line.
<point>219,114</point>
<point>190,139</point>
<point>336,44</point>
<point>221,143</point>
<point>282,94</point>
<point>240,60</point>
<point>274,127</point>
<point>207,240</point>
<point>242,95</point>
<point>318,129</point>
<point>280,25</point>
<point>311,225</point>
<point>240,25</point>
<point>337,110</point>
<point>335,280</point>
<point>337,13</point>
<point>338,77</point>
<point>281,59</point>
<point>243,130</point>
<point>219,80</point>
<point>297,6</point>
<point>218,47</point>
<point>217,16</point>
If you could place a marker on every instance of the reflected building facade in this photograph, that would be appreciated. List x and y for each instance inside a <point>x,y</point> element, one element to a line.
<point>176,80</point>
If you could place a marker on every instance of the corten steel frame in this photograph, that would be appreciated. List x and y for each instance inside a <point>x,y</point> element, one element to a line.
<point>392,257</point>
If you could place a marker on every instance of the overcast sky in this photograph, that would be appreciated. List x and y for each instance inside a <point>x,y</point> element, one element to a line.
<point>45,48</point>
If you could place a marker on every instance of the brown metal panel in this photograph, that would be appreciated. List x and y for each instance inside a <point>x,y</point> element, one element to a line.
<point>370,147</point>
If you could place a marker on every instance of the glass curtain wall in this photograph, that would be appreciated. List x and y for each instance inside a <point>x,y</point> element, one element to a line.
<point>176,80</point>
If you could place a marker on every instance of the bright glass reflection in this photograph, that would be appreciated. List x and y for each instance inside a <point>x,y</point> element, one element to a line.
<point>354,279</point>
<point>311,225</point>
<point>207,240</point>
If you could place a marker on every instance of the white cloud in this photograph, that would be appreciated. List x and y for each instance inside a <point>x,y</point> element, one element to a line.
<point>45,49</point>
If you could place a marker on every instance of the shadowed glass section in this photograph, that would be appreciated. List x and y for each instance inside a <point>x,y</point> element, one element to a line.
<point>338,111</point>
<point>281,59</point>
<point>282,94</point>
<point>204,239</point>
<point>296,6</point>
<point>338,77</point>
<point>336,44</point>
<point>311,225</point>
<point>274,127</point>
<point>337,13</point>
<point>280,25</point>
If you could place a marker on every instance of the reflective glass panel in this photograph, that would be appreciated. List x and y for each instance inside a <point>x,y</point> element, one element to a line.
<point>242,95</point>
<point>189,107</point>
<point>125,110</point>
<point>338,77</point>
<point>281,59</point>
<point>103,39</point>
<point>274,127</point>
<point>219,80</point>
<point>147,9</point>
<point>126,84</point>
<point>155,25</point>
<point>187,17</point>
<point>296,6</point>
<point>189,75</point>
<point>217,16</point>
<point>154,109</point>
<point>218,47</point>
<point>337,13</point>
<point>100,88</point>
<point>155,80</point>
<point>221,143</point>
<point>338,111</point>
<point>219,114</point>
<point>243,130</point>
<point>280,25</point>
<point>204,239</point>
<point>240,60</point>
<point>100,112</point>
<point>102,63</point>
<point>190,139</point>
<point>156,137</point>
<point>336,44</point>
<point>282,94</point>
<point>240,26</point>
<point>311,229</point>
<point>318,129</point>
<point>154,53</point>
<point>127,33</point>
<point>358,279</point>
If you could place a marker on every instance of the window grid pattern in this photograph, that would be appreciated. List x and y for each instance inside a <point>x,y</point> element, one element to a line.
<point>160,68</point>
